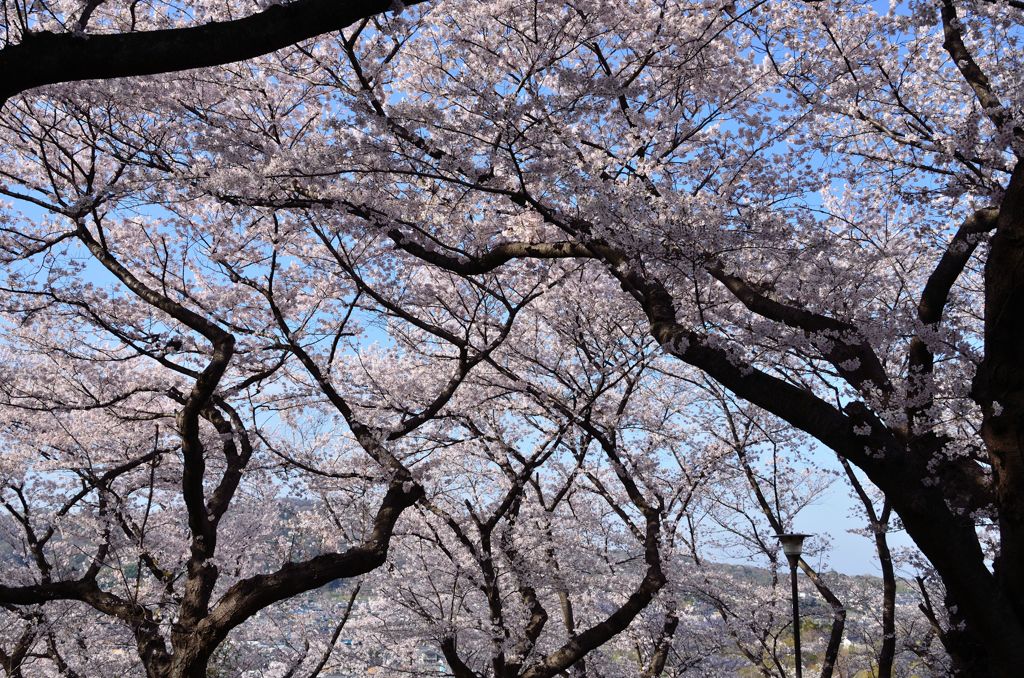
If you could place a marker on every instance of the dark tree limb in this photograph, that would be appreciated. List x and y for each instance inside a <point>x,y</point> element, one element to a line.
<point>953,42</point>
<point>251,595</point>
<point>932,304</point>
<point>46,58</point>
<point>999,386</point>
<point>845,342</point>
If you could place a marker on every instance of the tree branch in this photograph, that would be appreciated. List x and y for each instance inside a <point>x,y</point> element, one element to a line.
<point>46,58</point>
<point>251,595</point>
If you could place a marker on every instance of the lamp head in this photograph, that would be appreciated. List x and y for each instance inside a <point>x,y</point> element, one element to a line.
<point>792,543</point>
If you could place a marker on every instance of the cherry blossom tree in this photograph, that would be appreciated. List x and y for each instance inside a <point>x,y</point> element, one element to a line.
<point>169,389</point>
<point>581,425</point>
<point>794,195</point>
<point>815,205</point>
<point>578,525</point>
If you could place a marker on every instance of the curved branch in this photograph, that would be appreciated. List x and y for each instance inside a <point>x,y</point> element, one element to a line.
<point>845,342</point>
<point>933,301</point>
<point>953,43</point>
<point>248,596</point>
<point>579,646</point>
<point>46,58</point>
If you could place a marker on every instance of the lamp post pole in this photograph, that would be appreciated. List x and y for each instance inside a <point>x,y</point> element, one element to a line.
<point>792,546</point>
<point>793,560</point>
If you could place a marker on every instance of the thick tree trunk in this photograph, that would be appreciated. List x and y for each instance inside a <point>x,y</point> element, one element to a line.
<point>991,642</point>
<point>999,385</point>
<point>999,389</point>
<point>192,662</point>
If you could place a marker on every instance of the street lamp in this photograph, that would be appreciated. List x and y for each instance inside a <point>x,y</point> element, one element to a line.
<point>792,546</point>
